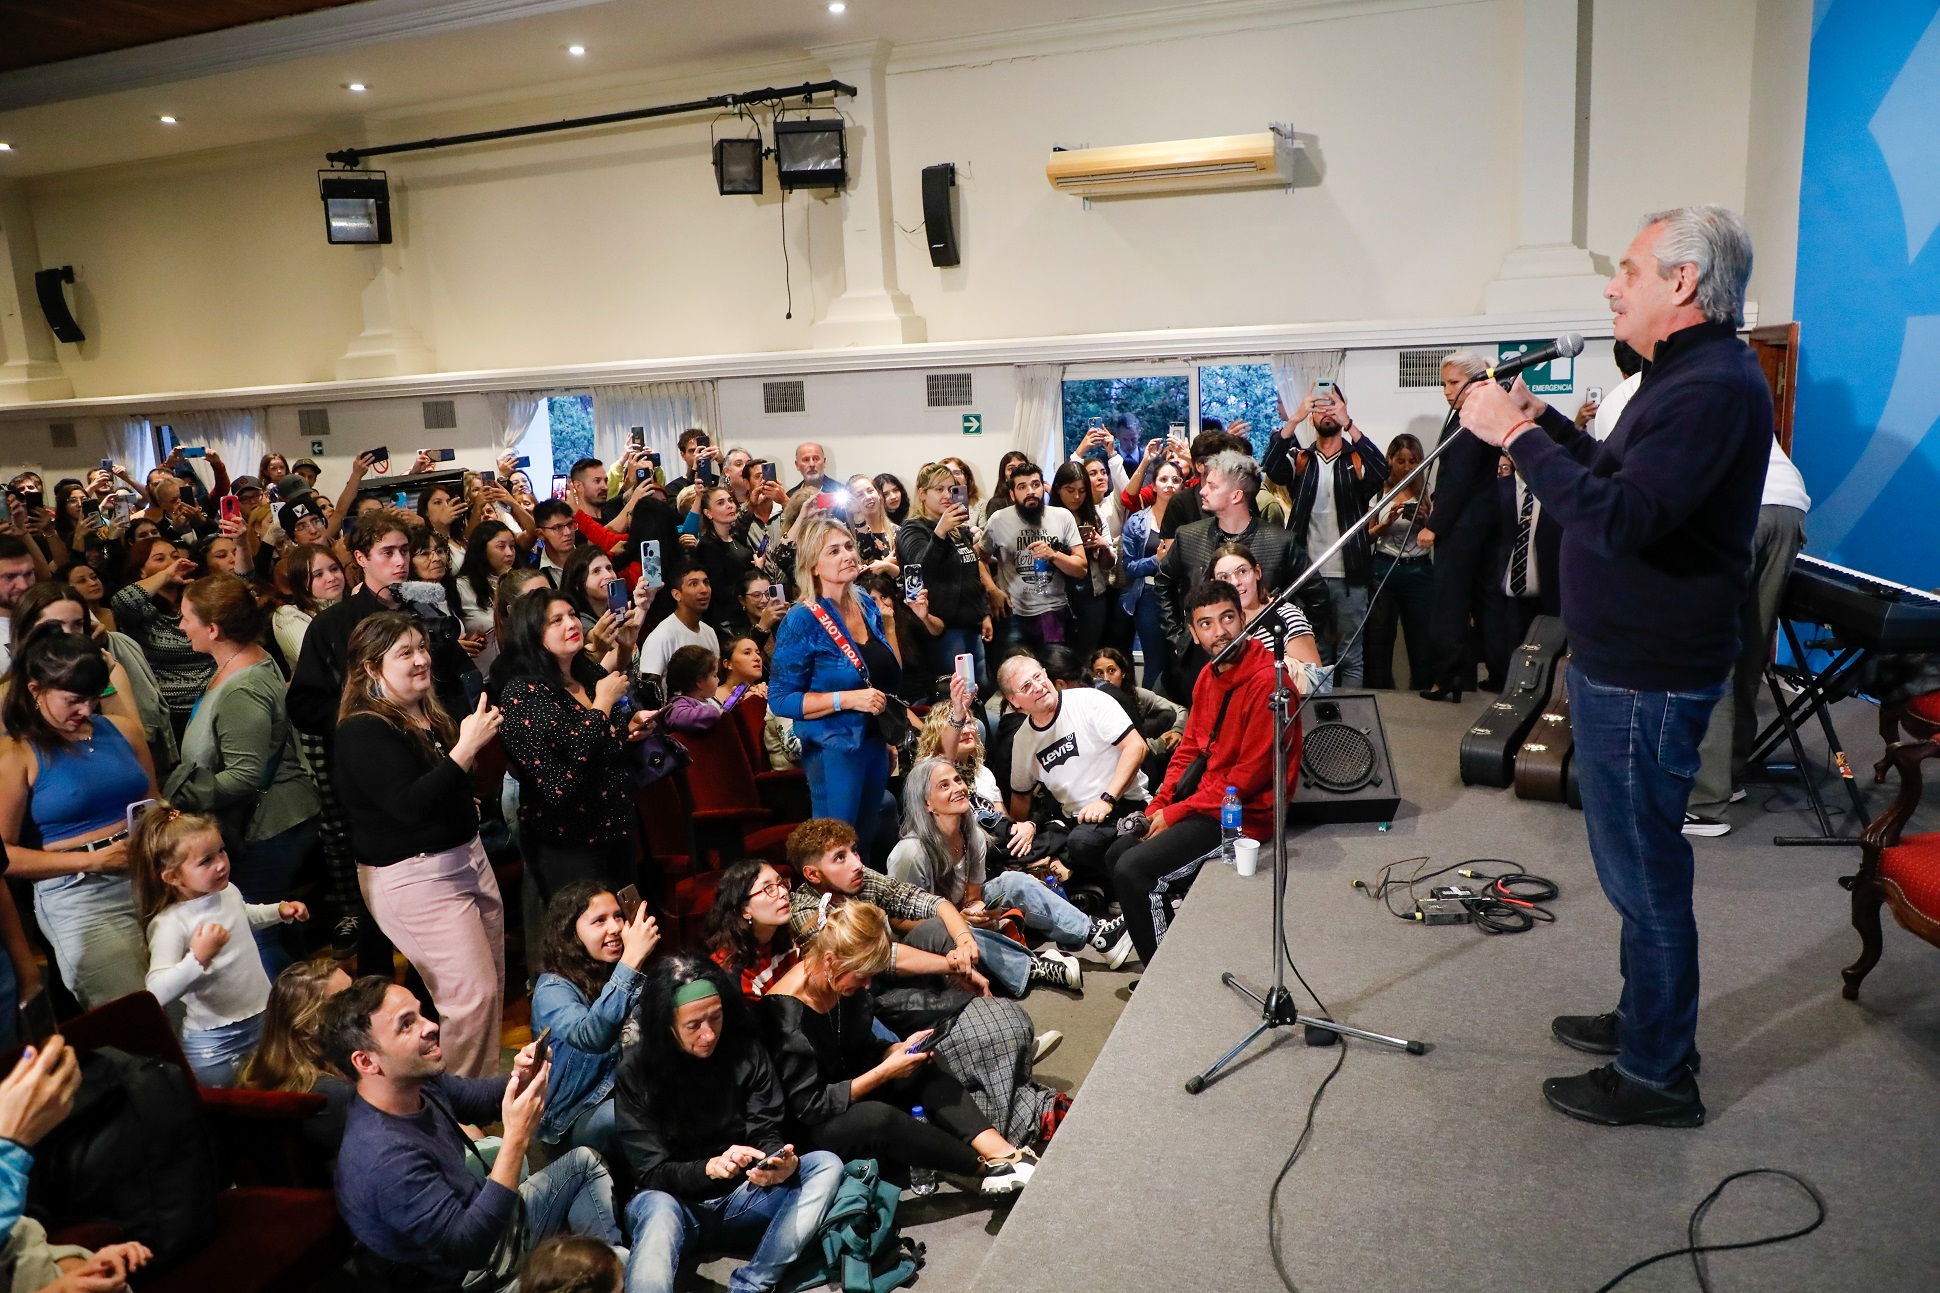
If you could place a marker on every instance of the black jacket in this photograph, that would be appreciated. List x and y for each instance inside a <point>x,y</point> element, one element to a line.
<point>949,570</point>
<point>317,687</point>
<point>400,803</point>
<point>1463,476</point>
<point>1359,472</point>
<point>816,1055</point>
<point>1189,560</point>
<point>731,1099</point>
<point>1658,519</point>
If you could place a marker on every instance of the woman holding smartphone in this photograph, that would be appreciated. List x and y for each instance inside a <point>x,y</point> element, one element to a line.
<point>1090,593</point>
<point>936,542</point>
<point>724,551</point>
<point>1403,574</point>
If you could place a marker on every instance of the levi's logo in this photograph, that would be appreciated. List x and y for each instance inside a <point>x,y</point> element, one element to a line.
<point>1062,751</point>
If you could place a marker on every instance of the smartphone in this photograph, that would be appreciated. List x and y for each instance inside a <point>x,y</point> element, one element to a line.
<point>559,486</point>
<point>194,451</point>
<point>629,900</point>
<point>912,587</point>
<point>441,455</point>
<point>692,525</point>
<point>474,683</point>
<point>967,670</point>
<point>1594,395</point>
<point>1324,387</point>
<point>521,462</point>
<point>136,809</point>
<point>706,471</point>
<point>231,508</point>
<point>937,1034</point>
<point>377,455</point>
<point>768,472</point>
<point>1087,533</point>
<point>641,473</point>
<point>616,596</point>
<point>704,442</point>
<point>107,464</point>
<point>777,594</point>
<point>957,497</point>
<point>542,1046</point>
<point>650,562</point>
<point>37,1021</point>
<point>768,1164</point>
<point>402,501</point>
<point>90,507</point>
<point>639,437</point>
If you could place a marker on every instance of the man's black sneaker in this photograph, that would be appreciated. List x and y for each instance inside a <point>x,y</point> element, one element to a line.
<point>343,940</point>
<point>1608,1098</point>
<point>1110,940</point>
<point>1592,1034</point>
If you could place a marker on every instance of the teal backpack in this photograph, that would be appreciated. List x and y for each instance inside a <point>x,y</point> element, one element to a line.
<point>857,1248</point>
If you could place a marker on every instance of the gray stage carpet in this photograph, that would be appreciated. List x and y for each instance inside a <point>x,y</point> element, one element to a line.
<point>1447,1171</point>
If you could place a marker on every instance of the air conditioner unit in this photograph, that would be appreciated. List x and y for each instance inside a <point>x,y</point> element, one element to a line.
<point>1264,160</point>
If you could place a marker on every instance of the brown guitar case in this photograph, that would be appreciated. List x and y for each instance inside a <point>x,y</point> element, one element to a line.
<point>1543,762</point>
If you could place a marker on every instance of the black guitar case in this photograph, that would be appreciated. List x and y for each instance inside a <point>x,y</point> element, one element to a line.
<point>1489,746</point>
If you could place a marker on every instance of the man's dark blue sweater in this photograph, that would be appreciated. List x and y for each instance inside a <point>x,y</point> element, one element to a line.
<point>403,1185</point>
<point>1657,520</point>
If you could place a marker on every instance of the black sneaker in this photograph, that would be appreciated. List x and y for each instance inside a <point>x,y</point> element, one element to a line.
<point>343,940</point>
<point>1109,940</point>
<point>1608,1098</point>
<point>1058,970</point>
<point>1592,1034</point>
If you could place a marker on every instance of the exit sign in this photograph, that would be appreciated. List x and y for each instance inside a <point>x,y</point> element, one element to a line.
<point>1557,377</point>
<point>316,448</point>
<point>973,424</point>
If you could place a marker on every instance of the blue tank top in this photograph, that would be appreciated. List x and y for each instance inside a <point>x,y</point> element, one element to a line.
<point>84,785</point>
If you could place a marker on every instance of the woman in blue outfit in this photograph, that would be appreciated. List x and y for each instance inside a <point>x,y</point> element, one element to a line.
<point>1140,547</point>
<point>67,776</point>
<point>833,671</point>
<point>588,983</point>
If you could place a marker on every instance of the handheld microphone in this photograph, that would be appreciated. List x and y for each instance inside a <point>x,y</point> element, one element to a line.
<point>1569,345</point>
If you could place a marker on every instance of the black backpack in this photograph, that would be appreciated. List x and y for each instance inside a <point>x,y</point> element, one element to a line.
<point>134,1153</point>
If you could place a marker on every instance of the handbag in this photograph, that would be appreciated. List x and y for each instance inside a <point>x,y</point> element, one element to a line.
<point>1189,776</point>
<point>892,724</point>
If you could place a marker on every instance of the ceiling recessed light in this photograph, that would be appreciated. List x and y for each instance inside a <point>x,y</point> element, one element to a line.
<point>576,51</point>
<point>837,6</point>
<point>166,120</point>
<point>356,87</point>
<point>5,147</point>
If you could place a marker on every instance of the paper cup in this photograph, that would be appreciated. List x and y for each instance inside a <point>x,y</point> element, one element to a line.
<point>1246,855</point>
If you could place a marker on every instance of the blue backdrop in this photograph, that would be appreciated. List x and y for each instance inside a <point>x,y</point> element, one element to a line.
<point>1868,299</point>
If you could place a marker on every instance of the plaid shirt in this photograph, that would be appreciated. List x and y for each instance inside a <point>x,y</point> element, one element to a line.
<point>898,901</point>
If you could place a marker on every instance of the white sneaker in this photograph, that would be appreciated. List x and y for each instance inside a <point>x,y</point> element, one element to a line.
<point>1009,1178</point>
<point>1708,827</point>
<point>1046,1042</point>
<point>1738,795</point>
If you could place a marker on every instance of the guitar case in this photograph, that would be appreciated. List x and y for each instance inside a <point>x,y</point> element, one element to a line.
<point>1544,762</point>
<point>1489,747</point>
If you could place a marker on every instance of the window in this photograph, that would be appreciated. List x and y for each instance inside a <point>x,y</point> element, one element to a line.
<point>571,417</point>
<point>1137,409</point>
<point>1241,393</point>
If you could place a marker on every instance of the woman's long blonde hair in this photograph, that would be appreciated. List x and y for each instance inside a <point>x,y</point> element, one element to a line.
<point>290,1057</point>
<point>855,933</point>
<point>808,552</point>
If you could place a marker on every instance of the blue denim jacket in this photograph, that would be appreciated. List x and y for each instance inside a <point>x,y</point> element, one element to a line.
<point>1135,561</point>
<point>16,1161</point>
<point>585,1044</point>
<point>807,659</point>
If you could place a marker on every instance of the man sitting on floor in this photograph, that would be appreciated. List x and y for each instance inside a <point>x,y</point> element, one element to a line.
<point>404,1187</point>
<point>935,938</point>
<point>1231,723</point>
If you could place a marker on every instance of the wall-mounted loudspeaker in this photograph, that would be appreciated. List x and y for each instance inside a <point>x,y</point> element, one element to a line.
<point>53,302</point>
<point>1345,773</point>
<point>939,215</point>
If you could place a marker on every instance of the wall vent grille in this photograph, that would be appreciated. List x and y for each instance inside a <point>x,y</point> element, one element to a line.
<point>784,397</point>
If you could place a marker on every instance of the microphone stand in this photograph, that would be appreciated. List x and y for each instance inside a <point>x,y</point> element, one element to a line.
<point>1276,1005</point>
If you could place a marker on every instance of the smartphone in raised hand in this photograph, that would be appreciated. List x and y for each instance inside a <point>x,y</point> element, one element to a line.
<point>616,596</point>
<point>650,562</point>
<point>629,900</point>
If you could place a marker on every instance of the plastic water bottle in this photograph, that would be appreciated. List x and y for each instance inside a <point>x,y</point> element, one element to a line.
<point>1229,818</point>
<point>922,1180</point>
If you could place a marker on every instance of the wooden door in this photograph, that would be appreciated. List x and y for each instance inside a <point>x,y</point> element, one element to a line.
<point>1777,348</point>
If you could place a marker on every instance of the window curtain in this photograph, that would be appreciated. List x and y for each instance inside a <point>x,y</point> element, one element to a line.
<point>240,437</point>
<point>1295,372</point>
<point>131,443</point>
<point>665,409</point>
<point>512,413</point>
<point>1037,427</point>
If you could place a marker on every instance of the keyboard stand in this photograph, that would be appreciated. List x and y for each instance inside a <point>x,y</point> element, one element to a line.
<point>1815,697</point>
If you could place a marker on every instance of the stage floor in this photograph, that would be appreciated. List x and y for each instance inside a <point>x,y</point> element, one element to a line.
<point>1448,1171</point>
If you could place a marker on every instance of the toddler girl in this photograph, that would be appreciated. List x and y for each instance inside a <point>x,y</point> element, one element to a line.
<point>193,917</point>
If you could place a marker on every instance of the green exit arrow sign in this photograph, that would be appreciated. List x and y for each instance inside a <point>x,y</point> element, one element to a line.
<point>316,448</point>
<point>973,424</point>
<point>1557,377</point>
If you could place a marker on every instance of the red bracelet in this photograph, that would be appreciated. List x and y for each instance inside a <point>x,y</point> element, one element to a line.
<point>1517,430</point>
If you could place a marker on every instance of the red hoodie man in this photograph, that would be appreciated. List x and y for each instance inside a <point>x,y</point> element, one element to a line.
<point>1153,872</point>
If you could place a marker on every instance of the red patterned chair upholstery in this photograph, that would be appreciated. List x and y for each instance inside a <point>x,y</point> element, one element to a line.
<point>1902,871</point>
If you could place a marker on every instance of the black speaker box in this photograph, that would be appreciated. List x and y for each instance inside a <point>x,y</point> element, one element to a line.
<point>1345,772</point>
<point>53,302</point>
<point>939,220</point>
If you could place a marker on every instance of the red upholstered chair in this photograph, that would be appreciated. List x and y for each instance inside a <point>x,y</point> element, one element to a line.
<point>1900,871</point>
<point>784,791</point>
<point>727,805</point>
<point>278,1231</point>
<point>683,876</point>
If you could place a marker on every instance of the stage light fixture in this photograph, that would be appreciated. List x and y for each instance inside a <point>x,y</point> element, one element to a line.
<point>836,6</point>
<point>811,152</point>
<point>5,147</point>
<point>356,207</point>
<point>737,165</point>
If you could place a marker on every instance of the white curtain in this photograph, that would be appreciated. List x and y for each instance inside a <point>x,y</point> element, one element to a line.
<point>512,413</point>
<point>131,443</point>
<point>240,437</point>
<point>1295,372</point>
<point>1038,424</point>
<point>665,409</point>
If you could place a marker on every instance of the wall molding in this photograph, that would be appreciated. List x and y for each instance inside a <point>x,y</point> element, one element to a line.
<point>1172,345</point>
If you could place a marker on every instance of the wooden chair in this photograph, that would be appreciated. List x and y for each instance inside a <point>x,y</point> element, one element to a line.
<point>1900,871</point>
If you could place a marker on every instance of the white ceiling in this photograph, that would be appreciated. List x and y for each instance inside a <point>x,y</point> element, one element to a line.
<point>301,92</point>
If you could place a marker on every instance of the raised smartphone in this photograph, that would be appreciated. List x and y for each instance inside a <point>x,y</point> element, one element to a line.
<point>616,596</point>
<point>441,455</point>
<point>650,562</point>
<point>231,508</point>
<point>967,670</point>
<point>629,900</point>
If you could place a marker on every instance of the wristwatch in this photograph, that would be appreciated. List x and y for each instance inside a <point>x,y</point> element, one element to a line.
<point>1108,796</point>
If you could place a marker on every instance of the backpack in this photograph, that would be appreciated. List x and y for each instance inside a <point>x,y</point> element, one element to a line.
<point>857,1248</point>
<point>133,1152</point>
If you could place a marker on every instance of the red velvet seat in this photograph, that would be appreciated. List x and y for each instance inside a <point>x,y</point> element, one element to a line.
<point>682,881</point>
<point>783,791</point>
<point>725,798</point>
<point>1901,872</point>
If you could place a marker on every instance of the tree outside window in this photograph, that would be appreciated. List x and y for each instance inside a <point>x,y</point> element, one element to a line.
<point>1241,392</point>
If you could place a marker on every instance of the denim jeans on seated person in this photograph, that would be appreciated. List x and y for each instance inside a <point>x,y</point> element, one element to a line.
<point>786,1217</point>
<point>1045,913</point>
<point>1636,756</point>
<point>1003,961</point>
<point>572,1195</point>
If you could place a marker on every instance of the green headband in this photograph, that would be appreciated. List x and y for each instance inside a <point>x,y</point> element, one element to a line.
<point>699,990</point>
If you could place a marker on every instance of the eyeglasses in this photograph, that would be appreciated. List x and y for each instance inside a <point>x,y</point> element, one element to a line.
<point>563,527</point>
<point>775,888</point>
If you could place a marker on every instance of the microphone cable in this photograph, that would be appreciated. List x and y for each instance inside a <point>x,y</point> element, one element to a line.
<point>1695,1250</point>
<point>1509,902</point>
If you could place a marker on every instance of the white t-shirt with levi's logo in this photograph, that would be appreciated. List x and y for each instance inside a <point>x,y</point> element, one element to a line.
<point>1076,754</point>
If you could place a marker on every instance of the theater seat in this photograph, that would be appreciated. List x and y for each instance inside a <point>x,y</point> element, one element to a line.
<point>1901,872</point>
<point>783,791</point>
<point>725,799</point>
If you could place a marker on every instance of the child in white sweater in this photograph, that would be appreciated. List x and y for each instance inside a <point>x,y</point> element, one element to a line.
<point>200,946</point>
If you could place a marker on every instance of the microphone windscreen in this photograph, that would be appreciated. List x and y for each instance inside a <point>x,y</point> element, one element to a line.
<point>1570,343</point>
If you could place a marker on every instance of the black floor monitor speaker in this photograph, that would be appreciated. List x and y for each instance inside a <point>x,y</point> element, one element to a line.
<point>53,302</point>
<point>939,219</point>
<point>1345,772</point>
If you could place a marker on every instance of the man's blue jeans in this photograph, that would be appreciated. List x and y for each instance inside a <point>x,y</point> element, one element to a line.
<point>1340,642</point>
<point>572,1195</point>
<point>1636,755</point>
<point>785,1215</point>
<point>1045,913</point>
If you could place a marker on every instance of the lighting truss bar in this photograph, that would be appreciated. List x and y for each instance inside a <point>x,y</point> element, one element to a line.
<point>349,157</point>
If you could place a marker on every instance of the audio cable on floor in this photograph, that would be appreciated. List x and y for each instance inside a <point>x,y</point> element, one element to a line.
<point>1695,1250</point>
<point>1509,902</point>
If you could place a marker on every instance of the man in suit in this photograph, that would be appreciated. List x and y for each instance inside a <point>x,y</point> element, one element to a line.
<point>1523,580</point>
<point>1460,533</point>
